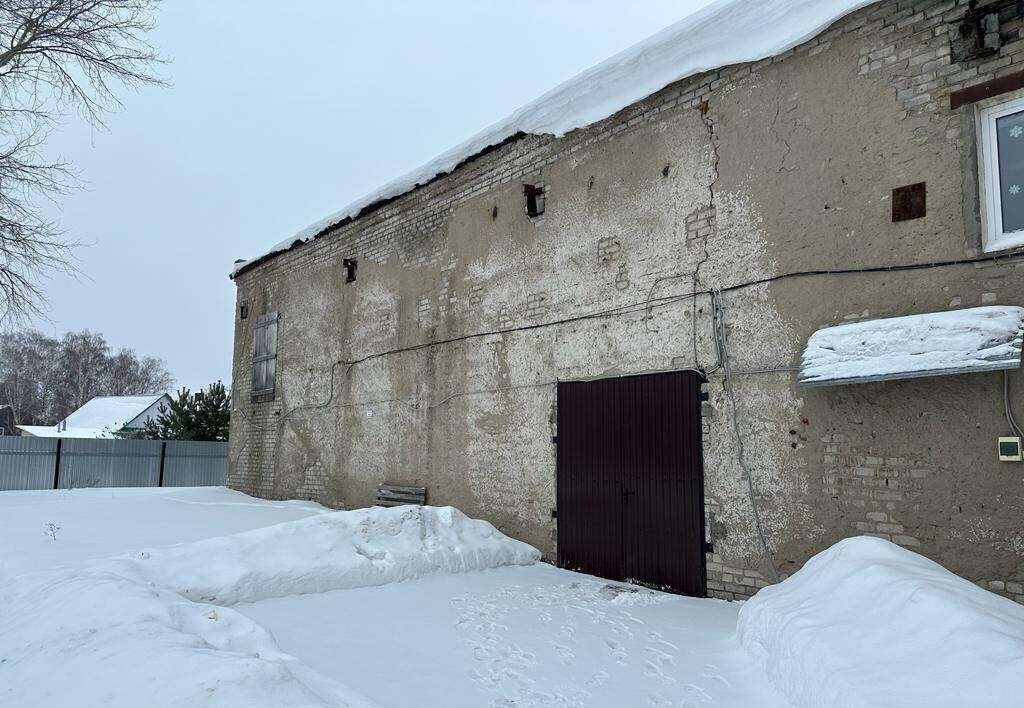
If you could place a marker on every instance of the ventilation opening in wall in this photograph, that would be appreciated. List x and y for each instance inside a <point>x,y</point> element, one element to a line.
<point>350,269</point>
<point>534,199</point>
<point>243,311</point>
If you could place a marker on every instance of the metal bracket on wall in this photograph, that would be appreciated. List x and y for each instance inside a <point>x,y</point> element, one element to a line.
<point>709,547</point>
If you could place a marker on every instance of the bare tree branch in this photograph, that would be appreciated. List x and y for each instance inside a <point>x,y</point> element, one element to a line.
<point>55,56</point>
<point>44,379</point>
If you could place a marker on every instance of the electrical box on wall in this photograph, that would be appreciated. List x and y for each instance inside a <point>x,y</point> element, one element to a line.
<point>1009,450</point>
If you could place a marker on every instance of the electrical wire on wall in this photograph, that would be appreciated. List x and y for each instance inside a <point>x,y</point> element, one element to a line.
<point>718,323</point>
<point>647,306</point>
<point>1008,408</point>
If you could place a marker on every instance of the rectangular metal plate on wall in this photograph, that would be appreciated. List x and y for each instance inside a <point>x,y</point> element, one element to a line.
<point>909,202</point>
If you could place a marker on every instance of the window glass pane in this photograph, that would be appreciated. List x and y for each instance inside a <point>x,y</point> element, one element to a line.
<point>1010,140</point>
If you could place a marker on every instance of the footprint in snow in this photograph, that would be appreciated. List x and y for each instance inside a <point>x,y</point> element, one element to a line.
<point>565,654</point>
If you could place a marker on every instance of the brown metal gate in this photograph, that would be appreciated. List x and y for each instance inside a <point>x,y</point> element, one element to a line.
<point>631,480</point>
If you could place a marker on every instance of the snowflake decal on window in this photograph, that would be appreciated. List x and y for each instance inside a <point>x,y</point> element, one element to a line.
<point>1016,131</point>
<point>1014,189</point>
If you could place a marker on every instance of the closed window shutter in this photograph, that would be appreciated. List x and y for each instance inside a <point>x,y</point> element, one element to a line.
<point>264,355</point>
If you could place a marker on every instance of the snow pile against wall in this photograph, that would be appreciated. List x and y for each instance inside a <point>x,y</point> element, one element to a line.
<point>724,33</point>
<point>959,341</point>
<point>135,629</point>
<point>337,551</point>
<point>867,623</point>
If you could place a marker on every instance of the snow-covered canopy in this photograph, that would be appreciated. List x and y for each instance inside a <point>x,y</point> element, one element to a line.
<point>954,342</point>
<point>724,33</point>
<point>101,417</point>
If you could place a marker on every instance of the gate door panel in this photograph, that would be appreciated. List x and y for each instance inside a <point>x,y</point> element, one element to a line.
<point>630,480</point>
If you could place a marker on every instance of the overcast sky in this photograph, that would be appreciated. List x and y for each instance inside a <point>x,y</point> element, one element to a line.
<point>277,115</point>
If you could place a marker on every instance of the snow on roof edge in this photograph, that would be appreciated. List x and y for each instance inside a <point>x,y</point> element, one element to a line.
<point>695,44</point>
<point>51,431</point>
<point>110,412</point>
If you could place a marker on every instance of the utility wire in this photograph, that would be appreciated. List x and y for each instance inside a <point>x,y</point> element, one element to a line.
<point>1007,408</point>
<point>723,357</point>
<point>651,303</point>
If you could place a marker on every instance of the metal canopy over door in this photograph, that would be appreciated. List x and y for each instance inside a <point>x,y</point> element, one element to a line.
<point>630,480</point>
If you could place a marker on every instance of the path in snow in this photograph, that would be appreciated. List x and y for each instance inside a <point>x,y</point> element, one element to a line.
<point>100,522</point>
<point>523,637</point>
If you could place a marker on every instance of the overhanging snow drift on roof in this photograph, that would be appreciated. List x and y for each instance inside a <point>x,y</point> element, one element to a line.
<point>725,32</point>
<point>954,342</point>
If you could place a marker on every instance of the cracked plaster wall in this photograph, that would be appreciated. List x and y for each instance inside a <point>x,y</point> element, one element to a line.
<point>745,173</point>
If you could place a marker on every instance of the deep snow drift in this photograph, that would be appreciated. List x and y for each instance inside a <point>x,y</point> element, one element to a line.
<point>125,632</point>
<point>723,33</point>
<point>867,623</point>
<point>345,549</point>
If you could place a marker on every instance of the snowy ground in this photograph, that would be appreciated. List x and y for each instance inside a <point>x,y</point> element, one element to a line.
<point>113,621</point>
<point>101,522</point>
<point>533,636</point>
<point>182,597</point>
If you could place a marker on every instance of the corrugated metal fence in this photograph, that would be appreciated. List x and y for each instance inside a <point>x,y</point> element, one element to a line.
<point>52,463</point>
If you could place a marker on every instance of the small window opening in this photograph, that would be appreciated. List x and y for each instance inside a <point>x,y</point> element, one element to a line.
<point>350,269</point>
<point>243,311</point>
<point>534,199</point>
<point>264,356</point>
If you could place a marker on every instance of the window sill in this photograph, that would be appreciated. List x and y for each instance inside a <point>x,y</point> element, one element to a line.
<point>1005,242</point>
<point>265,397</point>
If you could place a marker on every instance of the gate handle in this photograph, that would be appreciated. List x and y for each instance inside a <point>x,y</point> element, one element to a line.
<point>625,496</point>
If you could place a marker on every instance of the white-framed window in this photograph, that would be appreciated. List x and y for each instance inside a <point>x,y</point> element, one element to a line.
<point>1001,130</point>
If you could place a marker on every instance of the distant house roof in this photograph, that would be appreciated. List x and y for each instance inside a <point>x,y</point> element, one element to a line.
<point>724,33</point>
<point>101,417</point>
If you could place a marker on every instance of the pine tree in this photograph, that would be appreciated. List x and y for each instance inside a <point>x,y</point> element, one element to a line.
<point>201,416</point>
<point>213,413</point>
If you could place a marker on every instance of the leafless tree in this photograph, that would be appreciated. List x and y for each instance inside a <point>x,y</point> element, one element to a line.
<point>44,379</point>
<point>55,56</point>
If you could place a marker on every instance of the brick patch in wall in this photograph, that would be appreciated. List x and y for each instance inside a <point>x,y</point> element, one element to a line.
<point>1010,589</point>
<point>537,305</point>
<point>622,277</point>
<point>423,311</point>
<point>608,249</point>
<point>476,296</point>
<point>505,317</point>
<point>729,582</point>
<point>700,223</point>
<point>314,483</point>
